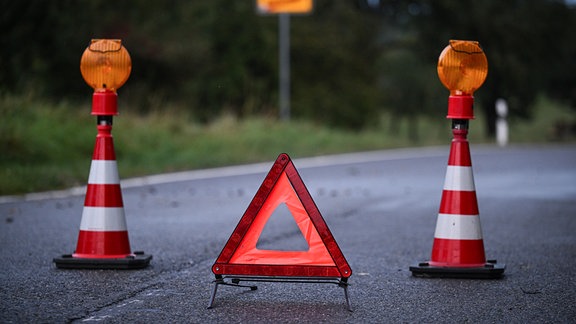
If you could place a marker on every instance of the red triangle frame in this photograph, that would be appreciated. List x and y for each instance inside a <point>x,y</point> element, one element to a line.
<point>240,257</point>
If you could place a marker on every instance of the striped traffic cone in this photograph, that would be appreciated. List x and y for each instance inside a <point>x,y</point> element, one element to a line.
<point>458,249</point>
<point>103,239</point>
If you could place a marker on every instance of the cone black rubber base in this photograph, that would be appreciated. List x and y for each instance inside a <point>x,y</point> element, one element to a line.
<point>138,260</point>
<point>491,270</point>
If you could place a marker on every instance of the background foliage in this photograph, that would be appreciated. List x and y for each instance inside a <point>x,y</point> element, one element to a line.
<point>204,85</point>
<point>351,59</point>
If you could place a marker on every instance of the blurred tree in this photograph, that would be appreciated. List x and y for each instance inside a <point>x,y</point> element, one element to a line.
<point>218,56</point>
<point>239,74</point>
<point>530,45</point>
<point>334,55</point>
<point>210,57</point>
<point>37,47</point>
<point>408,84</point>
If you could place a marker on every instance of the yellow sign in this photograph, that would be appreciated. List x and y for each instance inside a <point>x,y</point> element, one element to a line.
<point>284,6</point>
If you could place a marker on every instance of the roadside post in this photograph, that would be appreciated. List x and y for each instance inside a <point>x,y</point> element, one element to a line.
<point>284,8</point>
<point>501,122</point>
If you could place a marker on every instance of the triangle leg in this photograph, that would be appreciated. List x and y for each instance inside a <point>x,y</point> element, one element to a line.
<point>344,284</point>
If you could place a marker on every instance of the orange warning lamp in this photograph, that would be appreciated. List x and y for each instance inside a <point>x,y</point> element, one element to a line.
<point>462,68</point>
<point>105,66</point>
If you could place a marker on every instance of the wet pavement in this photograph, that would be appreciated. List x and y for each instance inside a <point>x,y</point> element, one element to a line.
<point>381,208</point>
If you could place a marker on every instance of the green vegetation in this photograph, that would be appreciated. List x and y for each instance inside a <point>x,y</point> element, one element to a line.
<point>351,60</point>
<point>552,121</point>
<point>203,91</point>
<point>49,146</point>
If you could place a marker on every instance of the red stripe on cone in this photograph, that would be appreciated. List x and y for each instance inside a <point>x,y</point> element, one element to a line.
<point>104,149</point>
<point>460,253</point>
<point>103,195</point>
<point>459,202</point>
<point>460,150</point>
<point>109,244</point>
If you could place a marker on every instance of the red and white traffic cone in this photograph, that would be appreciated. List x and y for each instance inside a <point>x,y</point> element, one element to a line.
<point>103,239</point>
<point>458,249</point>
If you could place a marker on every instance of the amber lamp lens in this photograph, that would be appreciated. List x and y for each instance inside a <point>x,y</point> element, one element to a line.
<point>105,64</point>
<point>462,67</point>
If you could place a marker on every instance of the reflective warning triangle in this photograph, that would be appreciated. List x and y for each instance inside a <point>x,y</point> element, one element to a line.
<point>282,185</point>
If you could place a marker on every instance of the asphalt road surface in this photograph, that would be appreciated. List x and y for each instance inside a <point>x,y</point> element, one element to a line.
<point>381,208</point>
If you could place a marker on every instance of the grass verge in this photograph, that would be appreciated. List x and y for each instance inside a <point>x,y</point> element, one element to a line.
<point>49,146</point>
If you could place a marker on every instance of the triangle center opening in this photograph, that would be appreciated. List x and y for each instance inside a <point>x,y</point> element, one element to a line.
<point>281,233</point>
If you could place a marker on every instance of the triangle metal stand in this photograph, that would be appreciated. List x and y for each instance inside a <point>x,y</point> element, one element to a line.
<point>235,282</point>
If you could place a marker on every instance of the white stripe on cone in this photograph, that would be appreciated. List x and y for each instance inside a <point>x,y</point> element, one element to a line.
<point>103,219</point>
<point>458,227</point>
<point>103,172</point>
<point>459,178</point>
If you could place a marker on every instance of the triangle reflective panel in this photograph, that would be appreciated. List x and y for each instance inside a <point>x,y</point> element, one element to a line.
<point>282,187</point>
